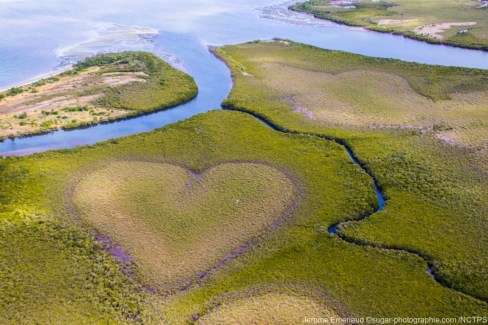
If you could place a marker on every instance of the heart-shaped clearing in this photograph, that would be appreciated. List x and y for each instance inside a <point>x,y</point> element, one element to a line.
<point>271,308</point>
<point>174,224</point>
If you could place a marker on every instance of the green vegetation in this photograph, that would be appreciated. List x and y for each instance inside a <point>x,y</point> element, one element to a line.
<point>221,219</point>
<point>163,88</point>
<point>22,116</point>
<point>72,109</point>
<point>39,83</point>
<point>460,23</point>
<point>46,124</point>
<point>296,253</point>
<point>55,273</point>
<point>437,191</point>
<point>177,214</point>
<point>14,91</point>
<point>111,86</point>
<point>42,82</point>
<point>270,308</point>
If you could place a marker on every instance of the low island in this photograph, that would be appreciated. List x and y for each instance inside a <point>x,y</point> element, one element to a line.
<point>102,88</point>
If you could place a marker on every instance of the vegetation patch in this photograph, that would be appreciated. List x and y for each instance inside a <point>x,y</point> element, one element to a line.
<point>338,89</point>
<point>176,225</point>
<point>56,273</point>
<point>300,252</point>
<point>459,23</point>
<point>437,191</point>
<point>102,88</point>
<point>270,308</point>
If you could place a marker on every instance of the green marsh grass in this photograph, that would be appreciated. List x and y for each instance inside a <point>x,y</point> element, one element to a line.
<point>437,191</point>
<point>299,253</point>
<point>174,225</point>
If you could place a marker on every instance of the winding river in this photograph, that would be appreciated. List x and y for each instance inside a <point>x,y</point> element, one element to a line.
<point>334,229</point>
<point>52,34</point>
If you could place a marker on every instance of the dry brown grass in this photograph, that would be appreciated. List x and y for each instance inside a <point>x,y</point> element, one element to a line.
<point>436,30</point>
<point>101,88</point>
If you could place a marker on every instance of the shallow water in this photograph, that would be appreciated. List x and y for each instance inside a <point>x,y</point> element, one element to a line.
<point>51,34</point>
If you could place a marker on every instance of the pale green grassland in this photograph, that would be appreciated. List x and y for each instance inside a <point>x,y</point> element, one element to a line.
<point>176,226</point>
<point>298,253</point>
<point>365,98</point>
<point>437,191</point>
<point>270,308</point>
<point>344,90</point>
<point>102,88</point>
<point>418,19</point>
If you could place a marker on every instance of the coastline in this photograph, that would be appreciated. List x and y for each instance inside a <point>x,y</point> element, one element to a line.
<point>50,74</point>
<point>88,124</point>
<point>126,114</point>
<point>410,35</point>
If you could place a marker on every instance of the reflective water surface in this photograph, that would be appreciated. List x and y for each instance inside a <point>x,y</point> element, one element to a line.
<point>39,37</point>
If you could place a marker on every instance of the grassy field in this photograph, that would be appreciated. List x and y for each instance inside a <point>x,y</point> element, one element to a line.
<point>177,226</point>
<point>455,22</point>
<point>296,253</point>
<point>431,165</point>
<point>270,308</point>
<point>369,93</point>
<point>102,88</point>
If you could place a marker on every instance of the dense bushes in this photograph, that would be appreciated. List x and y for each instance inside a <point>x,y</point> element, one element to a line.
<point>60,277</point>
<point>164,87</point>
<point>366,281</point>
<point>437,191</point>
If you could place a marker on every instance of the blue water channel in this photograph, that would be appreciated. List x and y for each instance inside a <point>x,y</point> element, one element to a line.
<point>48,32</point>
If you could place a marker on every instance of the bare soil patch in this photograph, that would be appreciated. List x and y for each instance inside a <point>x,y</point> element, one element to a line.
<point>435,30</point>
<point>385,22</point>
<point>45,106</point>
